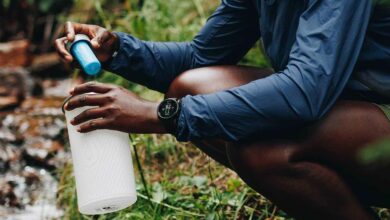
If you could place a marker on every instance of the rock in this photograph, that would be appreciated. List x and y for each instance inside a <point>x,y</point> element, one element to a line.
<point>49,65</point>
<point>15,54</point>
<point>8,197</point>
<point>40,152</point>
<point>8,157</point>
<point>11,137</point>
<point>54,130</point>
<point>9,102</point>
<point>12,91</point>
<point>31,176</point>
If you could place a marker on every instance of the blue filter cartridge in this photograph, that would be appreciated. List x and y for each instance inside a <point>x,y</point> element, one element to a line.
<point>80,48</point>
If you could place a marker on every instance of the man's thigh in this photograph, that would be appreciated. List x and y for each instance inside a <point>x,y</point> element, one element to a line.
<point>213,79</point>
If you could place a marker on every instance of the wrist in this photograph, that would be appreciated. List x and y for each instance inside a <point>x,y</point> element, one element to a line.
<point>153,122</point>
<point>112,50</point>
<point>115,45</point>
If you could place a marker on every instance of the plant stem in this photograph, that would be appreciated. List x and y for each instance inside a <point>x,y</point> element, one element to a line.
<point>140,169</point>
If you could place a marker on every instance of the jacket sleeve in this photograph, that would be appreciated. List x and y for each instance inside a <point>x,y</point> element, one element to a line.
<point>226,37</point>
<point>329,38</point>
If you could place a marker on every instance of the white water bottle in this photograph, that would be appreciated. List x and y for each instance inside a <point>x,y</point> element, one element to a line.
<point>102,167</point>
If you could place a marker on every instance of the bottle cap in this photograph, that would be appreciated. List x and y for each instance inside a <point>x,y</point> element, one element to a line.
<point>77,38</point>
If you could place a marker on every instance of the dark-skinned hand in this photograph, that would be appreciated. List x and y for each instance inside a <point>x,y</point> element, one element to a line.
<point>104,43</point>
<point>117,109</point>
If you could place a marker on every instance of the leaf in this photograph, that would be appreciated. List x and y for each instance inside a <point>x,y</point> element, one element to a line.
<point>211,216</point>
<point>199,181</point>
<point>233,184</point>
<point>159,194</point>
<point>375,154</point>
<point>6,3</point>
<point>45,5</point>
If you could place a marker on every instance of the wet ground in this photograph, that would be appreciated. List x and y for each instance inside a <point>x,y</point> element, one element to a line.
<point>33,144</point>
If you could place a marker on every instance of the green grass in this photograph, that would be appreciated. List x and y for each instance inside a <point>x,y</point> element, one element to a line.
<point>183,183</point>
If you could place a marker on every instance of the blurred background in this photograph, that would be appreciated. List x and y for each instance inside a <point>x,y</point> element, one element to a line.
<point>174,180</point>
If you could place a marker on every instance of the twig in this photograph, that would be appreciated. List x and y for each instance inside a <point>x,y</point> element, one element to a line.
<point>141,171</point>
<point>170,206</point>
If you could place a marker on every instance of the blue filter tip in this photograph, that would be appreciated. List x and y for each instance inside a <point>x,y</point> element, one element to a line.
<point>82,51</point>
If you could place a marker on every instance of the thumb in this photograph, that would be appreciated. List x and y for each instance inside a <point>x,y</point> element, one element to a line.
<point>95,42</point>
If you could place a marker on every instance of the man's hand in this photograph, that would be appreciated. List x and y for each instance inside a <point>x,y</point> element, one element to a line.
<point>104,42</point>
<point>118,109</point>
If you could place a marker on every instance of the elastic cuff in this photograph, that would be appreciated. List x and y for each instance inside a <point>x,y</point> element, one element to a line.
<point>181,129</point>
<point>110,64</point>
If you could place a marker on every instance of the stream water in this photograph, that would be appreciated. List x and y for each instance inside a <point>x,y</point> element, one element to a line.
<point>33,145</point>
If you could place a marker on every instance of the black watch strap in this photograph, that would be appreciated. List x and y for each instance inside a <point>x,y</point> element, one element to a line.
<point>171,125</point>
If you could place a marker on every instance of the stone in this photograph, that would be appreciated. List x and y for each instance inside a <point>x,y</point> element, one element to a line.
<point>15,53</point>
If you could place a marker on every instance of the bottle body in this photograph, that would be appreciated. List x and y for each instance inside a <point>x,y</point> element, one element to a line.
<point>103,168</point>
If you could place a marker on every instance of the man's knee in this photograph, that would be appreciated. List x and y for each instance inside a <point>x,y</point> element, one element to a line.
<point>260,158</point>
<point>200,81</point>
<point>213,79</point>
<point>187,83</point>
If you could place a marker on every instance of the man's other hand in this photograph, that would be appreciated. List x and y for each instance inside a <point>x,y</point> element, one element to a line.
<point>104,43</point>
<point>116,109</point>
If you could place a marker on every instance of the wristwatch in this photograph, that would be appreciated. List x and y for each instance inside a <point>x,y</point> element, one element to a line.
<point>168,112</point>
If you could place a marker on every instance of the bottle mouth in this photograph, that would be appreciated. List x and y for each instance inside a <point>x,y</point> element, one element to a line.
<point>65,101</point>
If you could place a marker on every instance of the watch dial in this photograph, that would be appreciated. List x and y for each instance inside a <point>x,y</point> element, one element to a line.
<point>168,108</point>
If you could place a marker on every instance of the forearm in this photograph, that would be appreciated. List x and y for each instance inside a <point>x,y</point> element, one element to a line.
<point>153,64</point>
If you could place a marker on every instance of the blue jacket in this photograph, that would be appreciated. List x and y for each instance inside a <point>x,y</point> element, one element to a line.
<point>316,47</point>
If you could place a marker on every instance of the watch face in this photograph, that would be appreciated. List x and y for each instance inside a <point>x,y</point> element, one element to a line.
<point>168,108</point>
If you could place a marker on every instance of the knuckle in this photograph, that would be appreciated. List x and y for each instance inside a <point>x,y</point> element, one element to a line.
<point>96,28</point>
<point>92,124</point>
<point>83,99</point>
<point>113,109</point>
<point>92,83</point>
<point>111,98</point>
<point>110,121</point>
<point>86,114</point>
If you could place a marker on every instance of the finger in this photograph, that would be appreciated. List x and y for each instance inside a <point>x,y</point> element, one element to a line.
<point>94,113</point>
<point>86,100</point>
<point>69,30</point>
<point>91,87</point>
<point>94,125</point>
<point>103,36</point>
<point>72,28</point>
<point>100,37</point>
<point>62,51</point>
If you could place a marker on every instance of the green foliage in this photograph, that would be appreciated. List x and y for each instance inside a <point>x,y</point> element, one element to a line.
<point>376,154</point>
<point>383,2</point>
<point>43,6</point>
<point>6,3</point>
